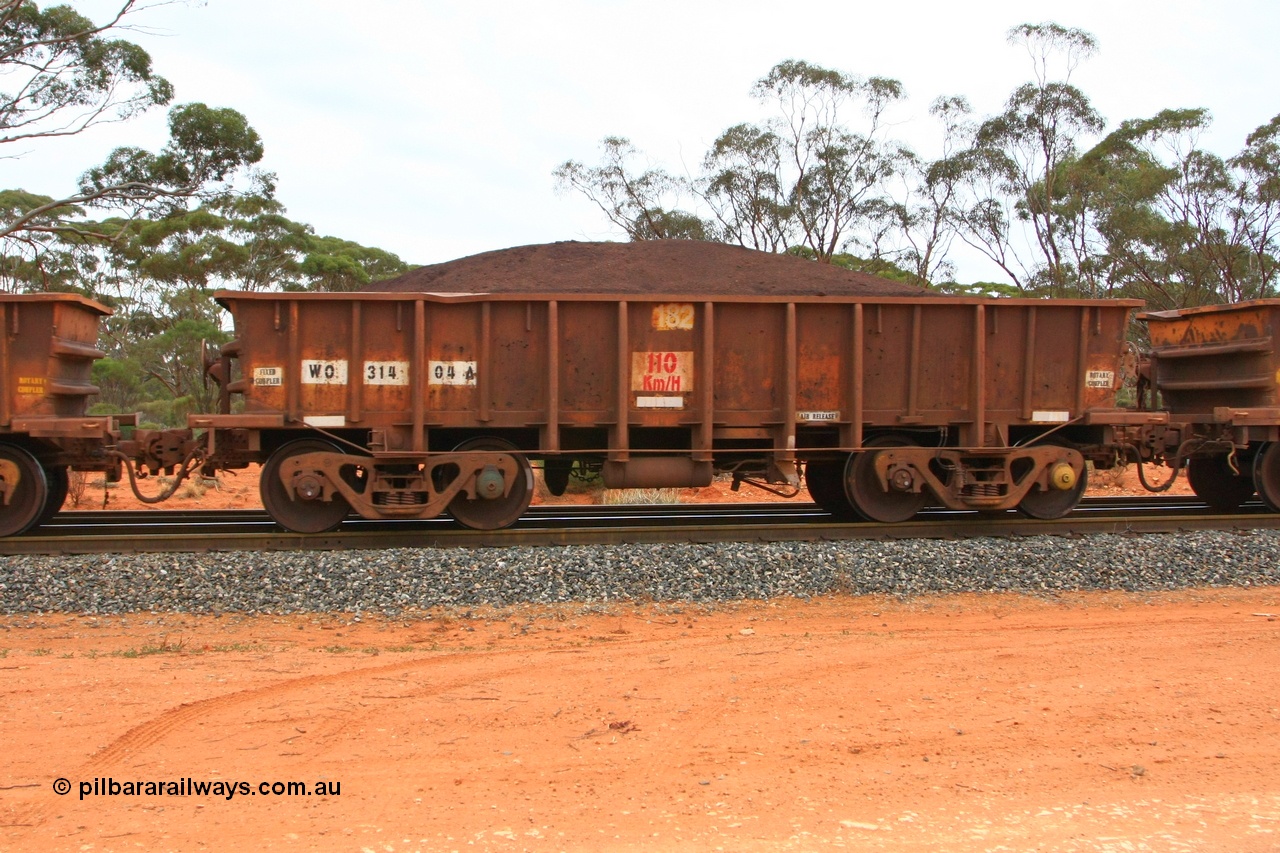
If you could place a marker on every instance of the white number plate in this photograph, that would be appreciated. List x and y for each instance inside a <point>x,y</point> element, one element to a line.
<point>386,373</point>
<point>324,372</point>
<point>451,372</point>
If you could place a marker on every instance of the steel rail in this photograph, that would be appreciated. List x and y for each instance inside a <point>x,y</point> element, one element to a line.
<point>250,530</point>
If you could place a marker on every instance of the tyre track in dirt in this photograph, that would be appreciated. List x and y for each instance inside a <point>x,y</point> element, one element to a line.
<point>149,732</point>
<point>146,734</point>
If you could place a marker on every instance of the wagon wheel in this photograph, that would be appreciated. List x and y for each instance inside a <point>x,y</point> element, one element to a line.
<point>1054,503</point>
<point>27,496</point>
<point>480,513</point>
<point>1266,475</point>
<point>825,481</point>
<point>294,512</point>
<point>555,473</point>
<point>1216,484</point>
<point>59,485</point>
<point>863,486</point>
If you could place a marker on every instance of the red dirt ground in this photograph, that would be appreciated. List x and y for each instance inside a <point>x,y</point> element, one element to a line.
<point>959,723</point>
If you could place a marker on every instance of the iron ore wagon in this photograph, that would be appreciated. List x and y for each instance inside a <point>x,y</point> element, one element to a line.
<point>1217,371</point>
<point>413,404</point>
<point>47,349</point>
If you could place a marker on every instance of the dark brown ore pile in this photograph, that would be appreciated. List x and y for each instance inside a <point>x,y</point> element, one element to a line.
<point>670,267</point>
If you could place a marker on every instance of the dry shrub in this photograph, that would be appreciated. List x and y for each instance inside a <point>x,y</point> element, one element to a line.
<point>77,481</point>
<point>615,497</point>
<point>194,487</point>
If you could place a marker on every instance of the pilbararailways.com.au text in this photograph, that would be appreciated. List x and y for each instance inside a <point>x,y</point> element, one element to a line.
<point>188,787</point>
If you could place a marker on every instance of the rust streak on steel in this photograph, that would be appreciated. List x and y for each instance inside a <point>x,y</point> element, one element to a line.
<point>913,382</point>
<point>1029,365</point>
<point>622,440</point>
<point>706,368</point>
<point>552,442</point>
<point>979,376</point>
<point>1082,364</point>
<point>293,370</point>
<point>859,368</point>
<point>355,387</point>
<point>790,357</point>
<point>5,413</point>
<point>484,383</point>
<point>418,375</point>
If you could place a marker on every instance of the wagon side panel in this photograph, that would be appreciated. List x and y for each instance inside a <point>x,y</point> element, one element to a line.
<point>586,336</point>
<point>749,364</point>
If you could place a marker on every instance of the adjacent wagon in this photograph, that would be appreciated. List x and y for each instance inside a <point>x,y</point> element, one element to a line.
<point>48,344</point>
<point>1216,371</point>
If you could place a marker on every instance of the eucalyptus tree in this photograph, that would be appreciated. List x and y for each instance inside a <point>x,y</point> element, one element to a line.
<point>805,177</point>
<point>926,216</point>
<point>1173,223</point>
<point>1258,206</point>
<point>743,186</point>
<point>640,202</point>
<point>66,74</point>
<point>1013,170</point>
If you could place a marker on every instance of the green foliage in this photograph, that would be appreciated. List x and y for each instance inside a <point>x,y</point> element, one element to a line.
<point>659,224</point>
<point>1165,221</point>
<point>67,75</point>
<point>990,289</point>
<point>877,266</point>
<point>337,265</point>
<point>805,177</point>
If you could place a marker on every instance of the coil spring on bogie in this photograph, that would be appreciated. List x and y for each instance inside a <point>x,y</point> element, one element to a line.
<point>400,498</point>
<point>983,490</point>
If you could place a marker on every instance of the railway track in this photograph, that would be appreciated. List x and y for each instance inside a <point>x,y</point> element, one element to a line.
<point>253,530</point>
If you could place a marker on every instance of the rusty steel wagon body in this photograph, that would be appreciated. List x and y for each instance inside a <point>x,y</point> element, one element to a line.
<point>47,349</point>
<point>411,404</point>
<point>1217,372</point>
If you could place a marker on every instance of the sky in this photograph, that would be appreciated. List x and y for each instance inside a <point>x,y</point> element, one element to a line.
<point>431,129</point>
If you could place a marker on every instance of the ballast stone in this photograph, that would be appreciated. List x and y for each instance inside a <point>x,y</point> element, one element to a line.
<point>397,581</point>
